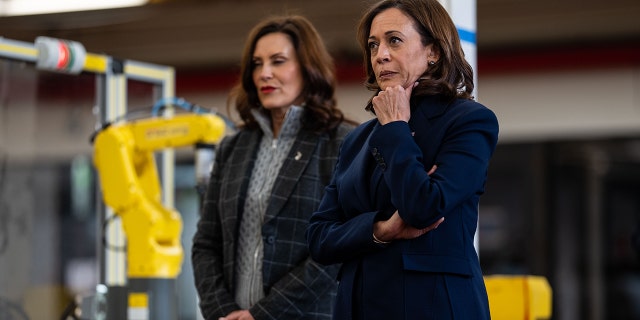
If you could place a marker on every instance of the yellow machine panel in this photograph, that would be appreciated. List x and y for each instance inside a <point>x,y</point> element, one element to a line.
<point>518,297</point>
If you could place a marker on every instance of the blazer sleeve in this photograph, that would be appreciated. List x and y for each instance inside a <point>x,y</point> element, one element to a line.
<point>207,251</point>
<point>465,148</point>
<point>332,235</point>
<point>334,239</point>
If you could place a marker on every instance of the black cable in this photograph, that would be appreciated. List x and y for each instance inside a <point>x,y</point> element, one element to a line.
<point>192,107</point>
<point>127,116</point>
<point>69,311</point>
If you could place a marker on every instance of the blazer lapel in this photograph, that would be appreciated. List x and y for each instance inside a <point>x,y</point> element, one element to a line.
<point>291,171</point>
<point>236,178</point>
<point>376,175</point>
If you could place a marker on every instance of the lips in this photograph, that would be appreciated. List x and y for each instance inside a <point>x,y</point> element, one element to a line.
<point>386,74</point>
<point>267,89</point>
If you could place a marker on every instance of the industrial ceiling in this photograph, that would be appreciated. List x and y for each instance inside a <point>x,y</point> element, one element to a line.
<point>196,34</point>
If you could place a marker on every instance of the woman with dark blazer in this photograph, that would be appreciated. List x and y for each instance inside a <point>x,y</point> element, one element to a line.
<point>401,211</point>
<point>250,256</point>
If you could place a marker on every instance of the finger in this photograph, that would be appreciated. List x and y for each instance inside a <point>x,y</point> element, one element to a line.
<point>408,90</point>
<point>436,224</point>
<point>432,170</point>
<point>432,226</point>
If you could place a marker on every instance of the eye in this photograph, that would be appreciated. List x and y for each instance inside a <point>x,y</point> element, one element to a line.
<point>256,63</point>
<point>395,40</point>
<point>279,61</point>
<point>372,45</point>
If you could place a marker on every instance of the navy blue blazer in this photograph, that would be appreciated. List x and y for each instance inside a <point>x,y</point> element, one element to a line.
<point>382,169</point>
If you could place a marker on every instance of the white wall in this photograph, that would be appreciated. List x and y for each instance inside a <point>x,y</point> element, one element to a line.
<point>564,105</point>
<point>534,106</point>
<point>530,107</point>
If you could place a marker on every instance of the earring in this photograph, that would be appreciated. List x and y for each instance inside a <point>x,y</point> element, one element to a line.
<point>432,62</point>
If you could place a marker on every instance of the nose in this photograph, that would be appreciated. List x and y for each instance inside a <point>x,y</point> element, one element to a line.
<point>265,72</point>
<point>382,54</point>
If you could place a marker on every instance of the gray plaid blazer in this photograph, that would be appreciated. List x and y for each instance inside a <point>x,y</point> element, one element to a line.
<point>295,286</point>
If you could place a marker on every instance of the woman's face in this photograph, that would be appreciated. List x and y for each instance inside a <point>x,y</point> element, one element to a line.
<point>277,74</point>
<point>398,56</point>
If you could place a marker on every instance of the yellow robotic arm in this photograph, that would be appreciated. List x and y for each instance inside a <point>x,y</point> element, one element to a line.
<point>124,159</point>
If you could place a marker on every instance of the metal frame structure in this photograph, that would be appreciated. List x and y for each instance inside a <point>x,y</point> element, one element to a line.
<point>111,99</point>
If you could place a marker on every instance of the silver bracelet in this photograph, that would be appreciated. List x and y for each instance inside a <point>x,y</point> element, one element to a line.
<point>378,241</point>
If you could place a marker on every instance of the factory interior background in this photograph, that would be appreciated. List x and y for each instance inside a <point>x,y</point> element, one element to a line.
<point>563,195</point>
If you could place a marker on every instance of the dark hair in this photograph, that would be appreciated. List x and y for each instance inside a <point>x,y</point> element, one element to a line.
<point>452,75</point>
<point>318,73</point>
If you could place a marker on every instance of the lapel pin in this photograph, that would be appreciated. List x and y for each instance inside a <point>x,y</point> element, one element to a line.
<point>298,155</point>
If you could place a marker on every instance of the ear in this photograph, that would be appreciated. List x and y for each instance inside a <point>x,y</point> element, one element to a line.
<point>434,52</point>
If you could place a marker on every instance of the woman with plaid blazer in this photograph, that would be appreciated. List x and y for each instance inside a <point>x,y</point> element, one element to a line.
<point>250,256</point>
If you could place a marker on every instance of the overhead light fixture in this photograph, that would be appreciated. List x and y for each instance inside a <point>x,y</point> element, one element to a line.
<point>33,7</point>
